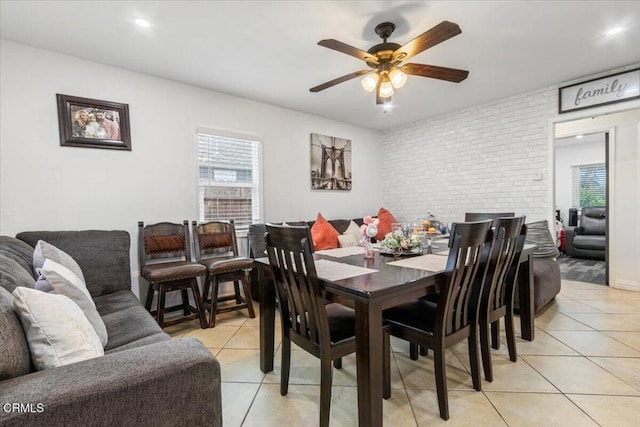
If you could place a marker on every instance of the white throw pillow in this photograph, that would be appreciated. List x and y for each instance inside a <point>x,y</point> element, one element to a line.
<point>57,331</point>
<point>347,240</point>
<point>46,250</point>
<point>59,279</point>
<point>354,230</point>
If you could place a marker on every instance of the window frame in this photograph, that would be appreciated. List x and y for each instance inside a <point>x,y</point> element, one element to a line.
<point>242,229</point>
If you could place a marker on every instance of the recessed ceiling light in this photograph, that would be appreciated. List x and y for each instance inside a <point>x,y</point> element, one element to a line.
<point>614,31</point>
<point>142,23</point>
<point>579,136</point>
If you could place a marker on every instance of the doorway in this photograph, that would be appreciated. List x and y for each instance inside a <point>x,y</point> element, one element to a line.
<point>581,195</point>
<point>623,184</point>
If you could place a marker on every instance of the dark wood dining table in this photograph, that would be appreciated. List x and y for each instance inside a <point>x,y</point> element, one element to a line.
<point>369,295</point>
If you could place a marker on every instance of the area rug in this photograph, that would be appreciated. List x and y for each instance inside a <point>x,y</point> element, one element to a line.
<point>582,270</point>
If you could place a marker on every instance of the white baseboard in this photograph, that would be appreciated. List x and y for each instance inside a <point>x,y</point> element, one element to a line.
<point>626,285</point>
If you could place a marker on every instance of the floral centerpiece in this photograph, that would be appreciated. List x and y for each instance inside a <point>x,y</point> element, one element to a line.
<point>397,243</point>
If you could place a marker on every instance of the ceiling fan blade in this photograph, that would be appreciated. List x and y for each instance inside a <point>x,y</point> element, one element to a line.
<point>348,49</point>
<point>339,80</point>
<point>441,32</point>
<point>435,72</point>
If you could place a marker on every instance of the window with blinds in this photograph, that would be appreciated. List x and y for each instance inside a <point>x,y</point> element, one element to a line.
<point>229,184</point>
<point>588,185</point>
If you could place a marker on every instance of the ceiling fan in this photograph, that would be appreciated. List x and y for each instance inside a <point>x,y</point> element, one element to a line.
<point>385,60</point>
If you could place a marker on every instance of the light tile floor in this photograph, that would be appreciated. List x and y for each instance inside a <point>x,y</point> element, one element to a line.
<point>582,369</point>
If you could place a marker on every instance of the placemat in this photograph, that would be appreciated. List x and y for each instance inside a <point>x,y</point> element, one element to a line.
<point>342,252</point>
<point>429,262</point>
<point>333,270</point>
<point>444,252</point>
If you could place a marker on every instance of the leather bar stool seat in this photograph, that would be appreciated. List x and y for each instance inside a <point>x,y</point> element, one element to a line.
<point>172,271</point>
<point>227,265</point>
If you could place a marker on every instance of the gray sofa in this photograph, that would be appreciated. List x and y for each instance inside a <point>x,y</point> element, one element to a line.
<point>547,280</point>
<point>144,378</point>
<point>546,271</point>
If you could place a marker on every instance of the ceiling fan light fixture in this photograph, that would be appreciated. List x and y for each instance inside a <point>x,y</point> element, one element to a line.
<point>370,82</point>
<point>398,78</point>
<point>386,74</point>
<point>386,88</point>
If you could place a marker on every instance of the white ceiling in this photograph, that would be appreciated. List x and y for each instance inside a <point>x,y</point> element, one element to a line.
<point>267,51</point>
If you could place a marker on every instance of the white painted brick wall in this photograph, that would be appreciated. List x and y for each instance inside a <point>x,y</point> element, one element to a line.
<point>481,159</point>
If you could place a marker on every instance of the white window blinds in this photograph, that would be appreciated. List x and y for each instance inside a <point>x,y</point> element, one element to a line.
<point>588,185</point>
<point>229,184</point>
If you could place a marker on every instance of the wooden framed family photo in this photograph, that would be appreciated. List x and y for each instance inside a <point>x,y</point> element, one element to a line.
<point>93,123</point>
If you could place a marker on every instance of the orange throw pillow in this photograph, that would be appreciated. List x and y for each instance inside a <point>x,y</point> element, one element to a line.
<point>324,235</point>
<point>385,219</point>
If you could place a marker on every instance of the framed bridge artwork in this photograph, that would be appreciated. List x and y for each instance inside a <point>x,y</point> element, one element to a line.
<point>330,163</point>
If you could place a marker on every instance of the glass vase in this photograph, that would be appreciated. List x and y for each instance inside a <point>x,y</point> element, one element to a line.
<point>368,249</point>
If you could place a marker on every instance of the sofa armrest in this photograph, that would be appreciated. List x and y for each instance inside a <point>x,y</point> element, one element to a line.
<point>175,382</point>
<point>573,231</point>
<point>570,233</point>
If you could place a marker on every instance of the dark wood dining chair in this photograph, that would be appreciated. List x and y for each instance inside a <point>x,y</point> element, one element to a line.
<point>440,325</point>
<point>481,216</point>
<point>164,251</point>
<point>216,248</point>
<point>499,286</point>
<point>325,330</point>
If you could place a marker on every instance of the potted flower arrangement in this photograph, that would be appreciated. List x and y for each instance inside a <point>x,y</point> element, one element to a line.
<point>397,243</point>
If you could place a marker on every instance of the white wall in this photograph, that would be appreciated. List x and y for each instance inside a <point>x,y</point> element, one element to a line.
<point>44,186</point>
<point>573,153</point>
<point>496,158</point>
<point>489,158</point>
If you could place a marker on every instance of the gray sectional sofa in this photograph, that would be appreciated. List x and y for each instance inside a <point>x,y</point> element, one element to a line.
<point>144,378</point>
<point>547,280</point>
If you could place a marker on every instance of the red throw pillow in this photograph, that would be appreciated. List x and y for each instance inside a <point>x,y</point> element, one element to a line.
<point>324,235</point>
<point>385,219</point>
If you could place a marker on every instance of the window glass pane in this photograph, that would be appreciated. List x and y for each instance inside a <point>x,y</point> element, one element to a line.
<point>589,186</point>
<point>229,184</point>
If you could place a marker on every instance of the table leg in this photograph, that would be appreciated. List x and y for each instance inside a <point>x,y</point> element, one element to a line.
<point>267,302</point>
<point>525,290</point>
<point>369,363</point>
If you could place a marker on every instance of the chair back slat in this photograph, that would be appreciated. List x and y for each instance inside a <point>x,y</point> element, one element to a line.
<point>297,288</point>
<point>466,267</point>
<point>504,262</point>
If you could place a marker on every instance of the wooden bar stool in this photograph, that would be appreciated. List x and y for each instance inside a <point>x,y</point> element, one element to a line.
<point>159,245</point>
<point>217,249</point>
